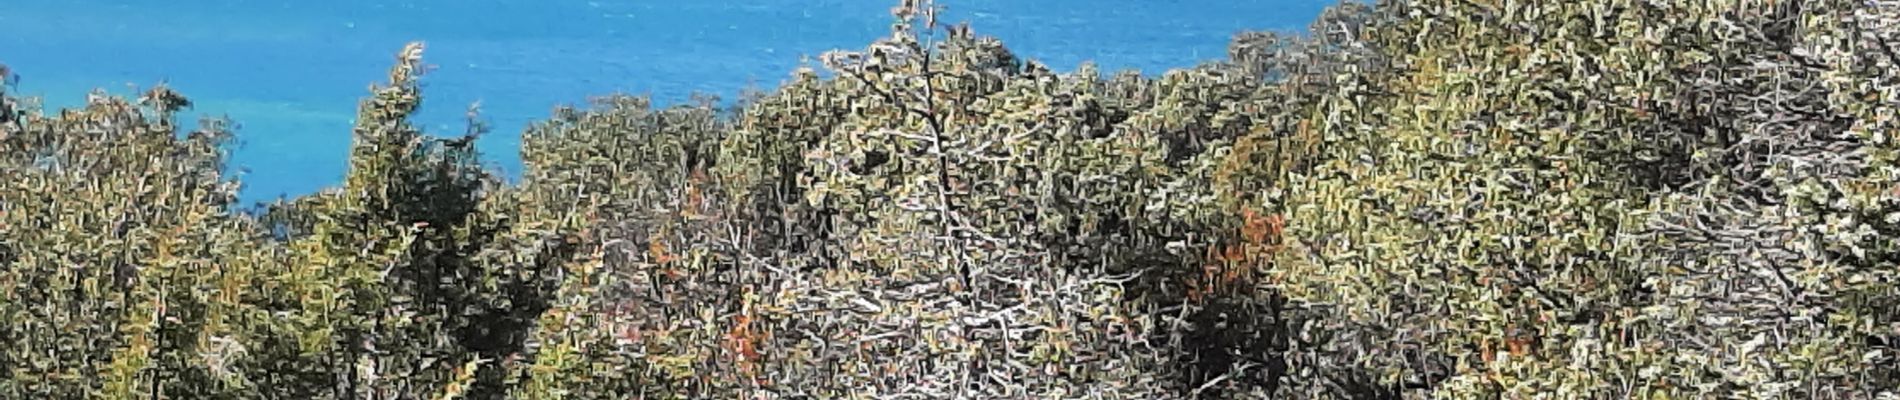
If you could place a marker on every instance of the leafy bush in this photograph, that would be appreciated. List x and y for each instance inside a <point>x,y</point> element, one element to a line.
<point>1414,199</point>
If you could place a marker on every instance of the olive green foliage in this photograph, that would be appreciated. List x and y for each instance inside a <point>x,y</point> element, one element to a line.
<point>1605,200</point>
<point>1423,198</point>
<point>120,259</point>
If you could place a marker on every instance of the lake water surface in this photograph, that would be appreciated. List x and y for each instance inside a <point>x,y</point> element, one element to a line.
<point>290,72</point>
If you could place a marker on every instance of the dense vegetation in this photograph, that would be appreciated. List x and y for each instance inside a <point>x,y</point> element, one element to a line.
<point>1418,198</point>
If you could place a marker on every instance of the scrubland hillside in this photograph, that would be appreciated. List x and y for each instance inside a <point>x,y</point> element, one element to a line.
<point>1415,199</point>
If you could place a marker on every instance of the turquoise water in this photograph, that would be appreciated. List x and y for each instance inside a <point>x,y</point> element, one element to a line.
<point>290,72</point>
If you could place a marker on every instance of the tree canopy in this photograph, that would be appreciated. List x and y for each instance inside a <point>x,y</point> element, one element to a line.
<point>1412,199</point>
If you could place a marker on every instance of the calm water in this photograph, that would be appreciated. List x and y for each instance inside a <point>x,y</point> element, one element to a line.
<point>289,72</point>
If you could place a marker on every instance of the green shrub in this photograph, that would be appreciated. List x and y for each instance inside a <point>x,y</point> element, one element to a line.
<point>1414,199</point>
